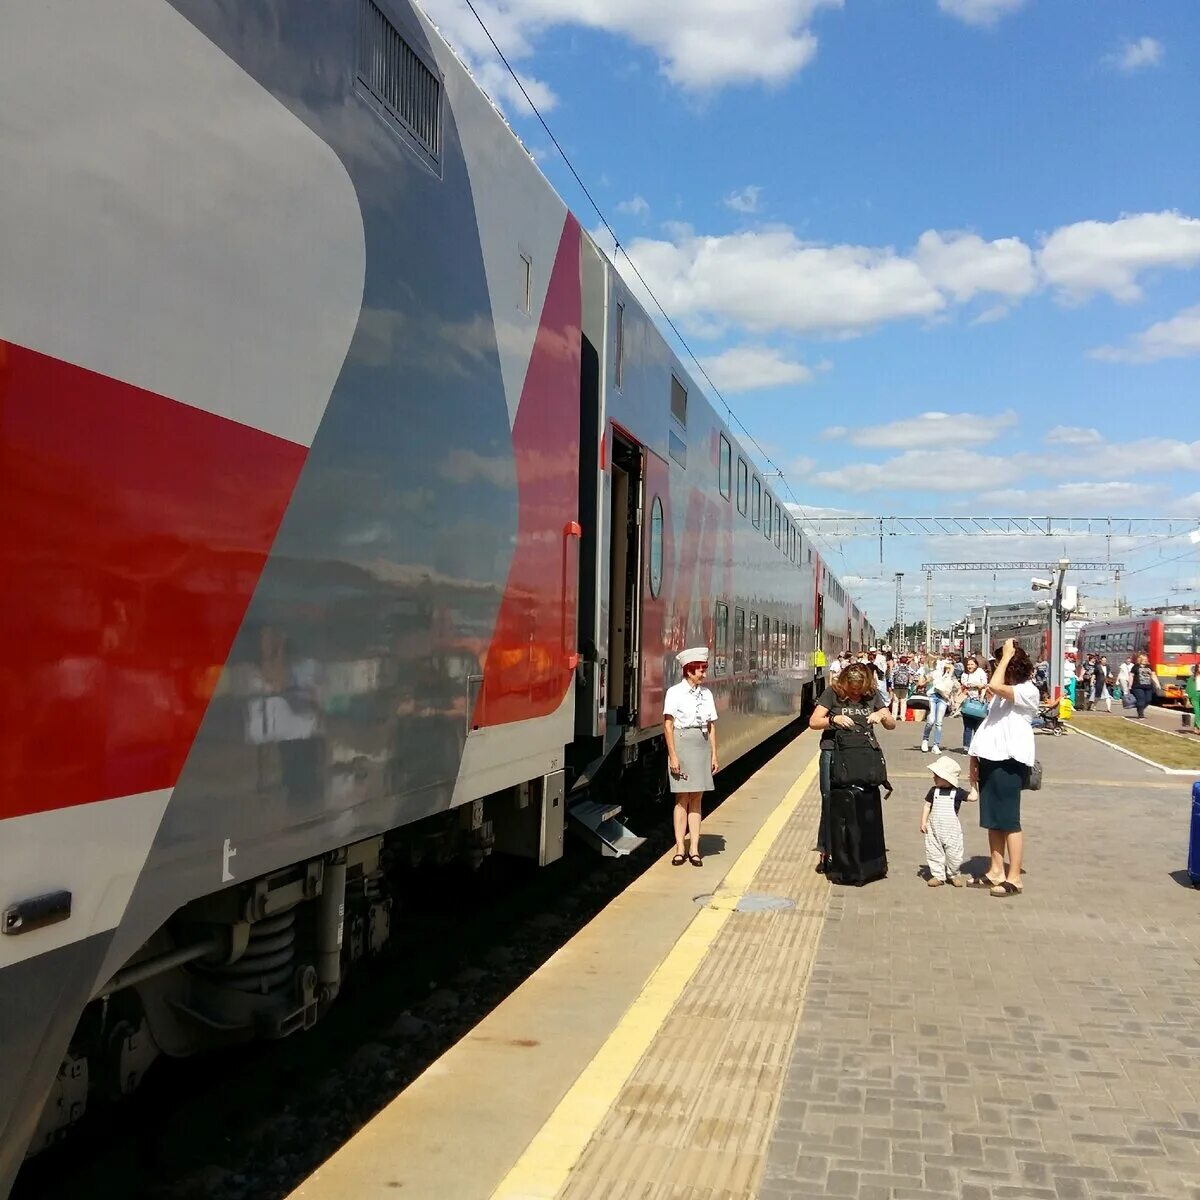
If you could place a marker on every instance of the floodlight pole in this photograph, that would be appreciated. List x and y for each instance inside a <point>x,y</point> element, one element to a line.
<point>1057,653</point>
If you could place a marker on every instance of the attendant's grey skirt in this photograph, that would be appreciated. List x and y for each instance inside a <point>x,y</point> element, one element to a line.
<point>695,761</point>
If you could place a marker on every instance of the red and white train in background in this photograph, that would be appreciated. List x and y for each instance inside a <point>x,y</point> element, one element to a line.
<point>351,512</point>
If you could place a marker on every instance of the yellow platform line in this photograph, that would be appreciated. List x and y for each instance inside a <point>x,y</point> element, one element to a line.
<point>545,1166</point>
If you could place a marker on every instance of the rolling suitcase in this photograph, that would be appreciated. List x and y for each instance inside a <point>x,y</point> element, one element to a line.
<point>857,853</point>
<point>1193,866</point>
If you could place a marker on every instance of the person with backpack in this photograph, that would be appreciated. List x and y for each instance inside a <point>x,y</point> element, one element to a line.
<point>852,701</point>
<point>901,678</point>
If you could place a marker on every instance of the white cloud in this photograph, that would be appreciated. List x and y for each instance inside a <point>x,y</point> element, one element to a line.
<point>744,368</point>
<point>635,207</point>
<point>997,312</point>
<point>980,12</point>
<point>963,264</point>
<point>1178,337</point>
<point>1096,256</point>
<point>1074,435</point>
<point>928,429</point>
<point>920,471</point>
<point>1069,498</point>
<point>771,280</point>
<point>745,201</point>
<point>700,44</point>
<point>834,432</point>
<point>1186,505</point>
<point>1136,55</point>
<point>1120,460</point>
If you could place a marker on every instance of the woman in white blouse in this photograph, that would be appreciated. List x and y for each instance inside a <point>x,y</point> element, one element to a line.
<point>973,681</point>
<point>1002,753</point>
<point>690,730</point>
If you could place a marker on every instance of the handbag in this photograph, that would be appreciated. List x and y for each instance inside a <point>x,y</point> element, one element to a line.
<point>1128,701</point>
<point>857,760</point>
<point>1035,777</point>
<point>973,707</point>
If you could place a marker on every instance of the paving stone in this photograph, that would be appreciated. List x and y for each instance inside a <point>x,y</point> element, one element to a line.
<point>1040,1049</point>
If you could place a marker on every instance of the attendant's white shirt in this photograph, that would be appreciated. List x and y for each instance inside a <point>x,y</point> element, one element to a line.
<point>689,707</point>
<point>835,668</point>
<point>1006,731</point>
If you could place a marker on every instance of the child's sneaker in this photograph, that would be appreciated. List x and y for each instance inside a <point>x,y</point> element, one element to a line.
<point>955,881</point>
<point>924,746</point>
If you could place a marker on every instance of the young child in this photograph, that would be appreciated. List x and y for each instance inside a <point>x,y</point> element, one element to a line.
<point>940,824</point>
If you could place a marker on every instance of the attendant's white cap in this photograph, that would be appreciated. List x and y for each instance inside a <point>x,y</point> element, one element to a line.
<point>697,654</point>
<point>945,768</point>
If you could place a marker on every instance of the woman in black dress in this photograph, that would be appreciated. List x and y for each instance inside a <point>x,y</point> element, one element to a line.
<point>852,699</point>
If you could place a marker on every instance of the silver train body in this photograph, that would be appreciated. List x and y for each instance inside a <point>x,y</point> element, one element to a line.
<point>352,512</point>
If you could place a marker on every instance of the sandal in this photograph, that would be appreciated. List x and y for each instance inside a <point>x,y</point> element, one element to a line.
<point>982,881</point>
<point>695,860</point>
<point>678,860</point>
<point>1005,889</point>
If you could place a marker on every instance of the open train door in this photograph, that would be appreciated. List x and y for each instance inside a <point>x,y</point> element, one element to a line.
<point>626,513</point>
<point>610,491</point>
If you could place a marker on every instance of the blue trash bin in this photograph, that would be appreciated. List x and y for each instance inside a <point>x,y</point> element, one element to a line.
<point>1194,840</point>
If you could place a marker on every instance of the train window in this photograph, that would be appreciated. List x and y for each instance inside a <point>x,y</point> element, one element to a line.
<point>795,543</point>
<point>778,524</point>
<point>743,486</point>
<point>752,662</point>
<point>739,640</point>
<point>678,401</point>
<point>677,448</point>
<point>756,503</point>
<point>619,339</point>
<point>656,546</point>
<point>810,554</point>
<point>725,470</point>
<point>768,507</point>
<point>721,666</point>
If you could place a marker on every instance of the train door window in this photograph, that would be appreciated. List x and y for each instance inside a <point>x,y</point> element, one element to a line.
<point>619,348</point>
<point>739,640</point>
<point>725,470</point>
<point>678,401</point>
<point>756,503</point>
<point>656,546</point>
<point>743,486</point>
<point>752,662</point>
<point>721,667</point>
<point>525,283</point>
<point>778,524</point>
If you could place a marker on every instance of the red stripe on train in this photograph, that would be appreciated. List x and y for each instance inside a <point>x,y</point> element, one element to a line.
<point>133,530</point>
<point>529,662</point>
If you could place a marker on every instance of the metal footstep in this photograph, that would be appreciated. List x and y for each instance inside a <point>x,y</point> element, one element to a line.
<point>600,825</point>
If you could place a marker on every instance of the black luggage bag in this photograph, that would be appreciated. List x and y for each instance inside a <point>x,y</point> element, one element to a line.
<point>857,853</point>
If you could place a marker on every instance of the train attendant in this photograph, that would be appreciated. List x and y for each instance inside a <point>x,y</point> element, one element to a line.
<point>1002,754</point>
<point>690,730</point>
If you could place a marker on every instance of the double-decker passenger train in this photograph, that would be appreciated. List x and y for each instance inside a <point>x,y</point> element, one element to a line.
<point>1170,639</point>
<point>352,512</point>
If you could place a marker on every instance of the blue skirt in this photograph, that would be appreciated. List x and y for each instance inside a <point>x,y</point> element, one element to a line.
<point>1000,785</point>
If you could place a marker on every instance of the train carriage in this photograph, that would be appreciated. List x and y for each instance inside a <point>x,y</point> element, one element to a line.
<point>1170,639</point>
<point>351,510</point>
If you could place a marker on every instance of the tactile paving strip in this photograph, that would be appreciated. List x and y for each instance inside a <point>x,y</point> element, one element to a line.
<point>695,1118</point>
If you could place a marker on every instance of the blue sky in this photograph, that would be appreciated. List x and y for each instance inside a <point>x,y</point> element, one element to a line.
<point>862,212</point>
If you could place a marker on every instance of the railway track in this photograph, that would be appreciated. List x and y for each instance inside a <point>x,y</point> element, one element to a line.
<point>256,1120</point>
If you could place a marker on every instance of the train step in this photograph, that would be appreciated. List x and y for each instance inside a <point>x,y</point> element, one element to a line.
<point>600,825</point>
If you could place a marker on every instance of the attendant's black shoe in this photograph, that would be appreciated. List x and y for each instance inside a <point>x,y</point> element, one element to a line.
<point>822,865</point>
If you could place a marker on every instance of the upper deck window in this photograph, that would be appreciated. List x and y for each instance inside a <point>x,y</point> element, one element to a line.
<point>725,469</point>
<point>678,401</point>
<point>619,367</point>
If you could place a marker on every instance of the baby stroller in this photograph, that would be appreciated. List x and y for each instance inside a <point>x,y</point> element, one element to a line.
<point>1051,717</point>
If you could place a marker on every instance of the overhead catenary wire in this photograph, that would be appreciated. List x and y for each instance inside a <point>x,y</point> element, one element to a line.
<point>734,419</point>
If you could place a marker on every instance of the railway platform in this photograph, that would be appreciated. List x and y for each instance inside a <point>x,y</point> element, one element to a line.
<point>748,1030</point>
